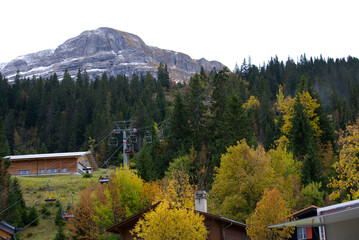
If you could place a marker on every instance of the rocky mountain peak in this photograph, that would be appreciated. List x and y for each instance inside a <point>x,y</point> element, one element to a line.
<point>105,50</point>
<point>99,40</point>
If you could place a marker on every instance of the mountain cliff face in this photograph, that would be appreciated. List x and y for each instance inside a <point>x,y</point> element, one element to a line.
<point>105,50</point>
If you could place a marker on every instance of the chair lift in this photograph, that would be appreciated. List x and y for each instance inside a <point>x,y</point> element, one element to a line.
<point>103,180</point>
<point>129,148</point>
<point>133,139</point>
<point>113,141</point>
<point>65,211</point>
<point>147,137</point>
<point>161,137</point>
<point>50,194</point>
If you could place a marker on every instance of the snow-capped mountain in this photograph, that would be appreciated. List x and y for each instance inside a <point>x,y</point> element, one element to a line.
<point>105,50</point>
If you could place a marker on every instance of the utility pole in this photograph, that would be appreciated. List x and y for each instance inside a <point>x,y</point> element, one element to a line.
<point>124,127</point>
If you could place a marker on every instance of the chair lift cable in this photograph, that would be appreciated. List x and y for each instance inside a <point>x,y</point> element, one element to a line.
<point>58,202</point>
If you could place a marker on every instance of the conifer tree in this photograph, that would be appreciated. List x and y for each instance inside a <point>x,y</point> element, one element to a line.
<point>163,76</point>
<point>160,103</point>
<point>236,122</point>
<point>265,115</point>
<point>228,121</point>
<point>311,169</point>
<point>4,146</point>
<point>4,165</point>
<point>58,218</point>
<point>196,111</point>
<point>302,143</point>
<point>179,132</point>
<point>17,211</point>
<point>60,235</point>
<point>301,133</point>
<point>9,129</point>
<point>32,216</point>
<point>135,89</point>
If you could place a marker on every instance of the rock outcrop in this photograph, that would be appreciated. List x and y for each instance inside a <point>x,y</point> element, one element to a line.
<point>105,50</point>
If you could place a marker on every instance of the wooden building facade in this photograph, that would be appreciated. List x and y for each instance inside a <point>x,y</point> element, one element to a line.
<point>52,163</point>
<point>219,228</point>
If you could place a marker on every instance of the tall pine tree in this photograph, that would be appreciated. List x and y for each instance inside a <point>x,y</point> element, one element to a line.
<point>196,111</point>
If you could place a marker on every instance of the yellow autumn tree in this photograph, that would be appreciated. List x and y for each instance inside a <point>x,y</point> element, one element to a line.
<point>346,184</point>
<point>82,226</point>
<point>271,209</point>
<point>287,174</point>
<point>240,181</point>
<point>177,190</point>
<point>120,198</point>
<point>168,222</point>
<point>251,103</point>
<point>174,217</point>
<point>285,105</point>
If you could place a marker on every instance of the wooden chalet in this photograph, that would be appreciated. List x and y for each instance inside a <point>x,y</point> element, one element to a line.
<point>310,232</point>
<point>219,228</point>
<point>52,164</point>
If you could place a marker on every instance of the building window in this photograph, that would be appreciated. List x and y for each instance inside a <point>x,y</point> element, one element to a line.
<point>64,170</point>
<point>27,171</point>
<point>301,233</point>
<point>55,170</point>
<point>21,172</point>
<point>42,170</point>
<point>48,170</point>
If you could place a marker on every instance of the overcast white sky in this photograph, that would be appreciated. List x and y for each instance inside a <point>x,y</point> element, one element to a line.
<point>223,30</point>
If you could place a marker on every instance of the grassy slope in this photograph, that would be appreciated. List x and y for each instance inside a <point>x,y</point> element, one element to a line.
<point>65,185</point>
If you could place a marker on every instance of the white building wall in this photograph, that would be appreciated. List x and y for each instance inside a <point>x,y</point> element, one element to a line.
<point>347,230</point>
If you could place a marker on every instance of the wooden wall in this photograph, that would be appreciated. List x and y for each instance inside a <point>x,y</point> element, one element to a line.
<point>34,165</point>
<point>5,235</point>
<point>215,228</point>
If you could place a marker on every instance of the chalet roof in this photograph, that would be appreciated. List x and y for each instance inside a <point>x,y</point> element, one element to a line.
<point>48,155</point>
<point>306,212</point>
<point>132,220</point>
<point>222,219</point>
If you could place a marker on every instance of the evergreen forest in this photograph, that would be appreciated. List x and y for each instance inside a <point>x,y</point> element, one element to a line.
<point>285,122</point>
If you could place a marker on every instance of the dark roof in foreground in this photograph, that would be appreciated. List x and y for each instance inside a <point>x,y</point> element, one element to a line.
<point>134,218</point>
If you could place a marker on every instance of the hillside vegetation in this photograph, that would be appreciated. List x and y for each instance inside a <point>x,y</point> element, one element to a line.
<point>284,132</point>
<point>34,192</point>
